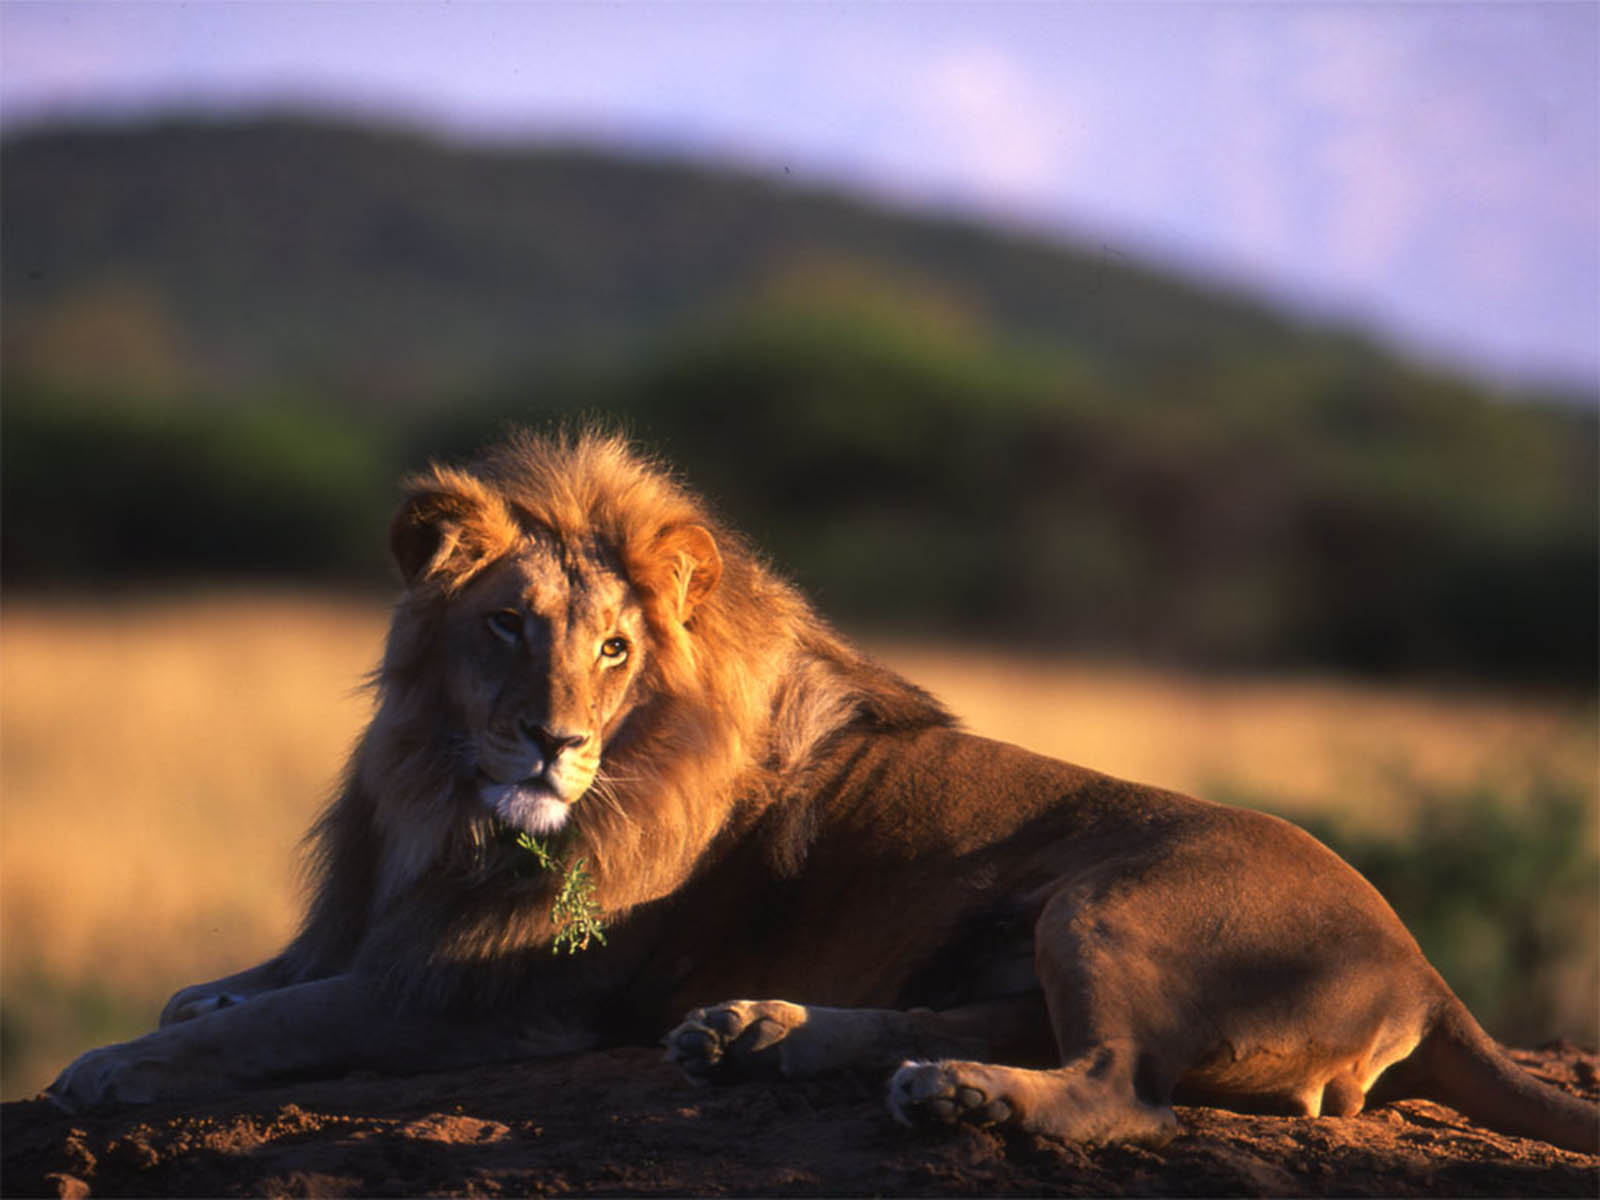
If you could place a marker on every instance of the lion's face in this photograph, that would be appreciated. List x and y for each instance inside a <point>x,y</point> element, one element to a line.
<point>544,650</point>
<point>520,646</point>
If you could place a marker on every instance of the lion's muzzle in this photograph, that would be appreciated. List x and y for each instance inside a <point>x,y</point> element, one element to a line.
<point>531,805</point>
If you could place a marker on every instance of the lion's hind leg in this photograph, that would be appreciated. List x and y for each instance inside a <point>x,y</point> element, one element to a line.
<point>1090,1100</point>
<point>1096,1099</point>
<point>1113,1079</point>
<point>1195,967</point>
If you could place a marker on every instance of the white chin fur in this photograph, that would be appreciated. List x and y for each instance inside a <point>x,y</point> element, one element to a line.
<point>530,808</point>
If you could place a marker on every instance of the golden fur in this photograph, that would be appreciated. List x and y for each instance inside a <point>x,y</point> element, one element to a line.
<point>583,649</point>
<point>729,706</point>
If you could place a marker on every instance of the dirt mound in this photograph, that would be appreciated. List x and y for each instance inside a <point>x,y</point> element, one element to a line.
<point>623,1122</point>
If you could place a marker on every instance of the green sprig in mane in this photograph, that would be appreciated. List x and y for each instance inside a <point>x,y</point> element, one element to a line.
<point>575,912</point>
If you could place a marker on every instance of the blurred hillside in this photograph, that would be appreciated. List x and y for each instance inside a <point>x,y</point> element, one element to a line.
<point>222,342</point>
<point>381,266</point>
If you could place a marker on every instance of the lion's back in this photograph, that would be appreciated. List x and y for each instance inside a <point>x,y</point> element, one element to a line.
<point>909,872</point>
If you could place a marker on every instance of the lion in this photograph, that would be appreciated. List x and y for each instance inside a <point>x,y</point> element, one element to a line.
<point>622,784</point>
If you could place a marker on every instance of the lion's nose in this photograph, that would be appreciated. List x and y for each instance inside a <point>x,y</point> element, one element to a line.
<point>551,742</point>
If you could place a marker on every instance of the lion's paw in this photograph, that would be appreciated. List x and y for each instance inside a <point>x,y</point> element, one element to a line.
<point>196,1002</point>
<point>742,1039</point>
<point>942,1093</point>
<point>107,1077</point>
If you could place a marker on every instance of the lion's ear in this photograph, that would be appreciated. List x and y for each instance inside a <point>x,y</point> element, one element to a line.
<point>450,524</point>
<point>688,565</point>
<point>424,533</point>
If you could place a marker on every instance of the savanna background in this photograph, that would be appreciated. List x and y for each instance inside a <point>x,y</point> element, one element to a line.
<point>1180,524</point>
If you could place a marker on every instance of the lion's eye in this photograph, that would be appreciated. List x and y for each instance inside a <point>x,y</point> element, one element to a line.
<point>506,624</point>
<point>614,649</point>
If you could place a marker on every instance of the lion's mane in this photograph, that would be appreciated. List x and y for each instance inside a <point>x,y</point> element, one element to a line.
<point>733,706</point>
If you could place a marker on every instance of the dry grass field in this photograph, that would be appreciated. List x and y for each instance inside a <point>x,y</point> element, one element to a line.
<point>161,759</point>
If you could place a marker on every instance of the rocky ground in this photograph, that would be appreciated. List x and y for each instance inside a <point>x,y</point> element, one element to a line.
<point>624,1123</point>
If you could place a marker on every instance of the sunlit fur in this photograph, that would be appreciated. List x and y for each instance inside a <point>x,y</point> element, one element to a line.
<point>736,692</point>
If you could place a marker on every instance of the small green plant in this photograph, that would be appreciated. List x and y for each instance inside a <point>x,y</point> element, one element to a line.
<point>576,913</point>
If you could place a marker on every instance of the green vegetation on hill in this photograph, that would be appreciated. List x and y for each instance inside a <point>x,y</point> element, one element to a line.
<point>374,264</point>
<point>224,341</point>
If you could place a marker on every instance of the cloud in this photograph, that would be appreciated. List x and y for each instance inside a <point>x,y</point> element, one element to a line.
<point>1005,137</point>
<point>1359,86</point>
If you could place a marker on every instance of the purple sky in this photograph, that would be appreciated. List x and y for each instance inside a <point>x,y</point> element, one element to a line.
<point>1428,169</point>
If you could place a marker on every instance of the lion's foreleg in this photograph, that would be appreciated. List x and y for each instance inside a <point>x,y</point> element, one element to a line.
<point>200,998</point>
<point>744,1039</point>
<point>322,1028</point>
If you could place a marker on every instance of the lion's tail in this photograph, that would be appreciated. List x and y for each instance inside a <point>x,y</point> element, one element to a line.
<point>1458,1064</point>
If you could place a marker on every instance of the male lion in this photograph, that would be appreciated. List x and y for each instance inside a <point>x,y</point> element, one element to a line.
<point>748,806</point>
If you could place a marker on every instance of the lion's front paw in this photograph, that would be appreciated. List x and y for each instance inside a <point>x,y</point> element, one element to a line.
<point>196,1001</point>
<point>741,1039</point>
<point>922,1093</point>
<point>110,1076</point>
<point>168,1064</point>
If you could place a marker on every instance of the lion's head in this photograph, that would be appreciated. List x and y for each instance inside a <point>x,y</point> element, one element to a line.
<point>582,647</point>
<point>544,642</point>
